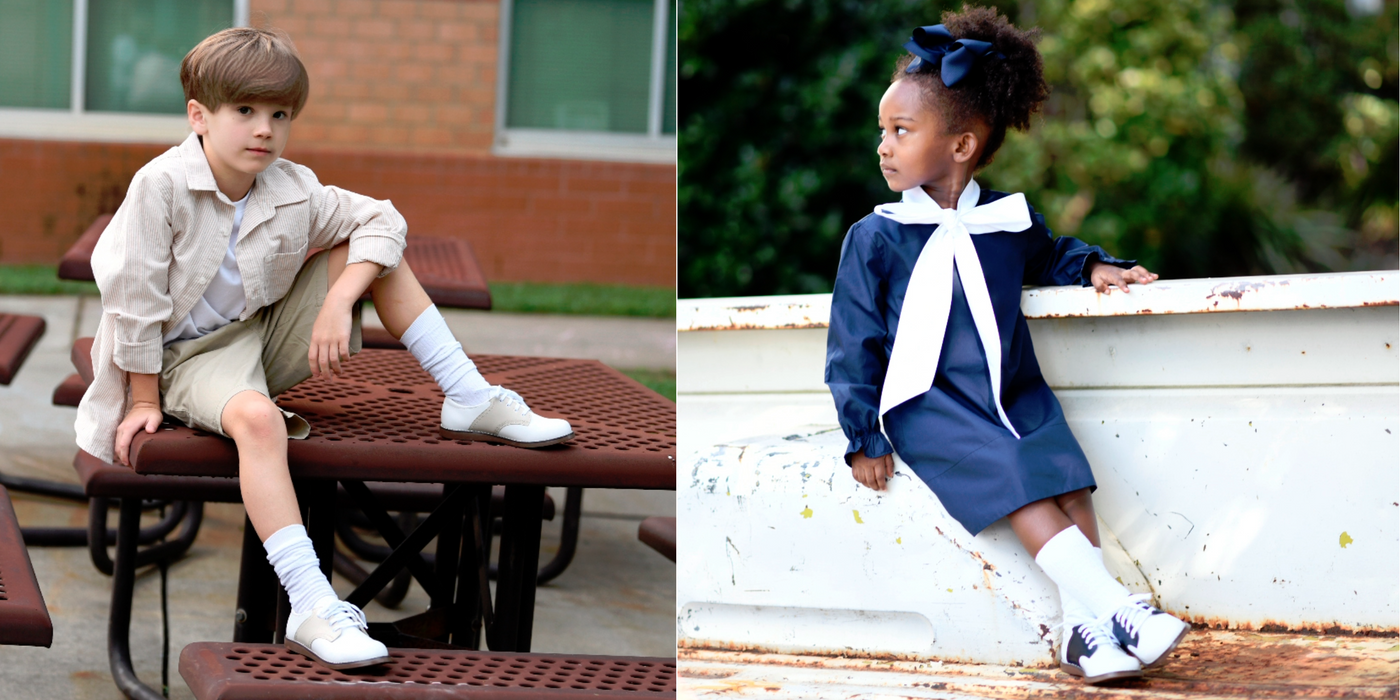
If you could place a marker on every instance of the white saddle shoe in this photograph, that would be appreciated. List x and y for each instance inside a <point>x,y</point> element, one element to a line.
<point>1090,652</point>
<point>503,418</point>
<point>334,634</point>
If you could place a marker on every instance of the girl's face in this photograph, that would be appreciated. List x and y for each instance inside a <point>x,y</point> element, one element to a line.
<point>914,149</point>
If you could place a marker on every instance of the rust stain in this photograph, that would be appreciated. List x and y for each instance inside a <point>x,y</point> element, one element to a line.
<point>685,644</point>
<point>1238,290</point>
<point>1207,663</point>
<point>1206,622</point>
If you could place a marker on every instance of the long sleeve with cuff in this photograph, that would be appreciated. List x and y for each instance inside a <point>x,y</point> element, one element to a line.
<point>858,345</point>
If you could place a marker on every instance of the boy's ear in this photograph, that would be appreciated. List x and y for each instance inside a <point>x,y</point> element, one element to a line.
<point>198,115</point>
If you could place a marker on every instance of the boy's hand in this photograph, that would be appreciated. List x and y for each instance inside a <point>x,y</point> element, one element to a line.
<point>330,340</point>
<point>1105,277</point>
<point>872,471</point>
<point>143,415</point>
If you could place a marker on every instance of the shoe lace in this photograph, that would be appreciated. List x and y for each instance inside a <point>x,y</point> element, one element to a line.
<point>511,400</point>
<point>342,615</point>
<point>1096,634</point>
<point>1131,614</point>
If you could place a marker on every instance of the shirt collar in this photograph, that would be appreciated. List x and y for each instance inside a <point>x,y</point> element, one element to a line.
<point>274,184</point>
<point>966,201</point>
<point>198,175</point>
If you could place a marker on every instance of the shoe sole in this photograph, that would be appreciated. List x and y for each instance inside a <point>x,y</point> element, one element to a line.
<point>496,439</point>
<point>301,649</point>
<point>1163,658</point>
<point>1100,679</point>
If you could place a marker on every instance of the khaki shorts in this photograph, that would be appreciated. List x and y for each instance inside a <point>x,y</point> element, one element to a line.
<point>265,353</point>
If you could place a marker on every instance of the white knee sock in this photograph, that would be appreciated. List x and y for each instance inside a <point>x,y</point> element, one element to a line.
<point>433,345</point>
<point>290,552</point>
<point>1077,568</point>
<point>1075,612</point>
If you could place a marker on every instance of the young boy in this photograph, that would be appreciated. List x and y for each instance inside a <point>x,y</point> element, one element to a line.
<point>208,311</point>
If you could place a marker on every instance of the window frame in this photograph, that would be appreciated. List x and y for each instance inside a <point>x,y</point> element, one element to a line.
<point>77,124</point>
<point>652,147</point>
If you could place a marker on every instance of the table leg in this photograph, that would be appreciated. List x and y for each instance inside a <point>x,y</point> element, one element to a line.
<point>119,617</point>
<point>519,568</point>
<point>473,599</point>
<point>255,616</point>
<point>449,549</point>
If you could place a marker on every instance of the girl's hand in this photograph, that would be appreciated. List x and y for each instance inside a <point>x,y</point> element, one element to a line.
<point>142,416</point>
<point>330,340</point>
<point>872,471</point>
<point>1105,277</point>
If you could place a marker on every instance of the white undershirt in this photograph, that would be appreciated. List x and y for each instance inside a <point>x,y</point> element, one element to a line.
<point>223,300</point>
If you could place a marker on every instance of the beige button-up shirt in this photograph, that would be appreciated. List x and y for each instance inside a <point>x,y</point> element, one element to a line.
<point>166,242</point>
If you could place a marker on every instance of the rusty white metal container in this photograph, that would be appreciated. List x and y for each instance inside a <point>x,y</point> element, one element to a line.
<point>1244,433</point>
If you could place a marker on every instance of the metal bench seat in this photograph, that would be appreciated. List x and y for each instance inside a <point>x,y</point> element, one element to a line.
<point>232,671</point>
<point>18,335</point>
<point>660,534</point>
<point>24,619</point>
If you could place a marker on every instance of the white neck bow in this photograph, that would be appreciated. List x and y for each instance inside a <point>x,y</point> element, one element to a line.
<point>923,319</point>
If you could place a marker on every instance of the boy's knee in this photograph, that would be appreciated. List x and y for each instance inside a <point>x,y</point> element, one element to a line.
<point>252,415</point>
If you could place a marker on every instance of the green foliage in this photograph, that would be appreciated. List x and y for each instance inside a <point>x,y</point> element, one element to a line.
<point>1203,137</point>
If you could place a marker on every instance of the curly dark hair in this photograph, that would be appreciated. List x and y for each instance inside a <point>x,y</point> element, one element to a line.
<point>999,93</point>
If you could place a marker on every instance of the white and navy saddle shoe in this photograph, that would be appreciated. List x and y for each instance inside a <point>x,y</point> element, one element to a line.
<point>1146,632</point>
<point>1090,652</point>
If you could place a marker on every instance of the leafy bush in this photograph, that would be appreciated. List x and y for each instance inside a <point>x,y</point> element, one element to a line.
<point>1203,138</point>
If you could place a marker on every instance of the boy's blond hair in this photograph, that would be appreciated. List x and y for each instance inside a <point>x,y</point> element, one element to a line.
<point>245,64</point>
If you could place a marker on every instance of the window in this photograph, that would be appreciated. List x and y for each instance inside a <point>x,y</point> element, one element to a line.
<point>588,79</point>
<point>101,69</point>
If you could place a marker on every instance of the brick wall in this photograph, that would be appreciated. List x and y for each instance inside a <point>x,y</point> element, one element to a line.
<point>402,107</point>
<point>527,219</point>
<point>403,75</point>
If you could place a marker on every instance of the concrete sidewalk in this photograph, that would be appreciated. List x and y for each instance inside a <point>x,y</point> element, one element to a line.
<point>618,596</point>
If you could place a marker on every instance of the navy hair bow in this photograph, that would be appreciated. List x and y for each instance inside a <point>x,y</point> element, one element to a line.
<point>959,55</point>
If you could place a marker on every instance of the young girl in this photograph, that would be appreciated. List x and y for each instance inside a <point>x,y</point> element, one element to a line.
<point>927,334</point>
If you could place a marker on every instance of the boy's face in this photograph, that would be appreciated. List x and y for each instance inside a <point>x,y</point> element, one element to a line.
<point>241,139</point>
<point>914,149</point>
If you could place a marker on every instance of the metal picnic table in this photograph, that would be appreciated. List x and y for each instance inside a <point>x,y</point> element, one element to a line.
<point>379,422</point>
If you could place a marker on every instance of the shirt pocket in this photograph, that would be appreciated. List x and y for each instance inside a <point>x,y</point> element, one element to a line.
<point>279,271</point>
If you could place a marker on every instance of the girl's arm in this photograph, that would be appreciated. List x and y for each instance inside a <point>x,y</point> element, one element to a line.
<point>1064,260</point>
<point>855,345</point>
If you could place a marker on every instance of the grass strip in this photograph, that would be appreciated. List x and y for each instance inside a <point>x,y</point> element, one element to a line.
<point>39,279</point>
<point>660,381</point>
<point>583,299</point>
<point>517,297</point>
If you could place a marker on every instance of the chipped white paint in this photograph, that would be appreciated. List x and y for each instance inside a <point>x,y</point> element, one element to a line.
<point>1336,290</point>
<point>1231,452</point>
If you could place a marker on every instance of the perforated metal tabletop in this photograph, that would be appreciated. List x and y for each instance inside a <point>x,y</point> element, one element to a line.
<point>380,421</point>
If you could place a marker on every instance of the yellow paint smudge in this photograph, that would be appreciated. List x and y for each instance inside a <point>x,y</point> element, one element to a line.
<point>899,540</point>
<point>950,590</point>
<point>807,512</point>
<point>858,520</point>
<point>1119,579</point>
<point>1345,540</point>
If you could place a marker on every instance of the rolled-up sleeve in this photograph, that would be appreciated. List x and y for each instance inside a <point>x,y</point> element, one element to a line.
<point>131,264</point>
<point>375,229</point>
<point>855,345</point>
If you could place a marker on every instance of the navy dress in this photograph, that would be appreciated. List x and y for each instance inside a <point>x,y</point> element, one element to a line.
<point>951,435</point>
